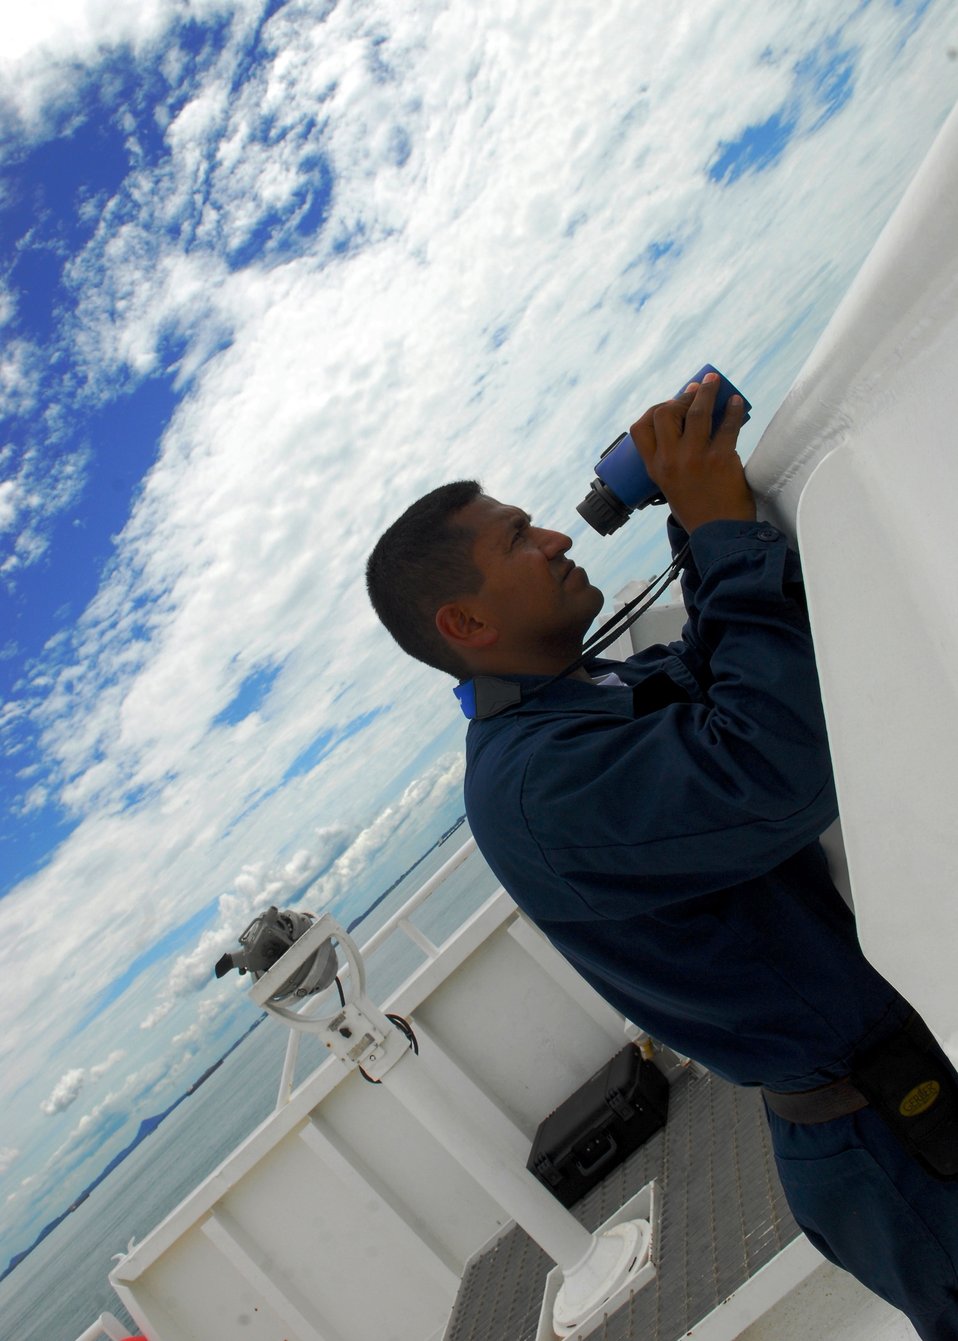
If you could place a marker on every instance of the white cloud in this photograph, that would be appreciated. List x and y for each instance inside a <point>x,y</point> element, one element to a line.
<point>46,482</point>
<point>25,1186</point>
<point>71,1085</point>
<point>8,1157</point>
<point>65,1092</point>
<point>8,304</point>
<point>48,46</point>
<point>35,799</point>
<point>8,504</point>
<point>157,1014</point>
<point>423,793</point>
<point>19,372</point>
<point>100,1070</point>
<point>188,1039</point>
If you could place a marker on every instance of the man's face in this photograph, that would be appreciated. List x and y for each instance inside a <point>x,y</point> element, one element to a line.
<point>536,597</point>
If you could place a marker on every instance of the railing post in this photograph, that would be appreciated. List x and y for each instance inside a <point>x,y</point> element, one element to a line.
<point>106,1325</point>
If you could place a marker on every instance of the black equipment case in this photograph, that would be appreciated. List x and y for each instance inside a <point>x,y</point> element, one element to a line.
<point>600,1125</point>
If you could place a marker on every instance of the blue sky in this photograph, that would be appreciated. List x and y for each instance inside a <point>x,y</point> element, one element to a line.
<point>270,271</point>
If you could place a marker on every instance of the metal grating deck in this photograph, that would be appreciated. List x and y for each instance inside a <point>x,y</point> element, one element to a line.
<point>724,1216</point>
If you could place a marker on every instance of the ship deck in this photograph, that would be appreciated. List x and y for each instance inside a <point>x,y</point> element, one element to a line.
<point>724,1220</point>
<point>450,1262</point>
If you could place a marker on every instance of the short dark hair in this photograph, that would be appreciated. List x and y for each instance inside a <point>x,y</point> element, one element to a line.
<point>422,561</point>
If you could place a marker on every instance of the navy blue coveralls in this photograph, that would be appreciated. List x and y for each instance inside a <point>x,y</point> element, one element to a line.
<point>664,836</point>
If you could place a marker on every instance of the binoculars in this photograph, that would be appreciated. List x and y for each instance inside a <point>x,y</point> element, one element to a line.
<point>622,485</point>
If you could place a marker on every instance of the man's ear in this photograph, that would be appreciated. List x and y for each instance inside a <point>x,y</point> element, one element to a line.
<point>462,630</point>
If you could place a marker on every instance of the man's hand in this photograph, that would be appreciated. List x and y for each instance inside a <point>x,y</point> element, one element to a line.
<point>701,476</point>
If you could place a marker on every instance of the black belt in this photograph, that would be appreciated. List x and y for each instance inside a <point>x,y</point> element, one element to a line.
<point>818,1105</point>
<point>908,1081</point>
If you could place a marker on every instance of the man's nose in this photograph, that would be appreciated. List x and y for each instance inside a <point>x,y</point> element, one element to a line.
<point>554,543</point>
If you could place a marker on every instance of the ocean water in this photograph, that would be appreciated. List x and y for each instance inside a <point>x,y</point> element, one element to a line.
<point>62,1287</point>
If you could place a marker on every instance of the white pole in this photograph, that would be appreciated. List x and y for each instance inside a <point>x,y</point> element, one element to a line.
<point>289,1070</point>
<point>466,1123</point>
<point>482,1139</point>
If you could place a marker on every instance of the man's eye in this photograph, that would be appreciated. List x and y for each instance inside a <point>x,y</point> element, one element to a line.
<point>519,533</point>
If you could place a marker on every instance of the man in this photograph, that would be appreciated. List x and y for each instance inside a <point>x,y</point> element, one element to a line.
<point>658,818</point>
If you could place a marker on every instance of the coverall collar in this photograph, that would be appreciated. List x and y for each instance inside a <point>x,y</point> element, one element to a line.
<point>489,696</point>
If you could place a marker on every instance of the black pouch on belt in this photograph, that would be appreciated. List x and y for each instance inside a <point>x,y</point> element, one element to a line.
<point>912,1085</point>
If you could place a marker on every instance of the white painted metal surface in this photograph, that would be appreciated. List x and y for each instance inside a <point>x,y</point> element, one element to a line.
<point>862,454</point>
<point>341,1216</point>
<point>896,313</point>
<point>337,1218</point>
<point>446,1103</point>
<point>797,1261</point>
<point>829,1304</point>
<point>444,1100</point>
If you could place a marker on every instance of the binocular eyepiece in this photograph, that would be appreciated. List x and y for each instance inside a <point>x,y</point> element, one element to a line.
<point>622,484</point>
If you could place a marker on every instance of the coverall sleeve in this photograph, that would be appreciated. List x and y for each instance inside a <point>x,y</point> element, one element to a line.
<point>697,796</point>
<point>693,651</point>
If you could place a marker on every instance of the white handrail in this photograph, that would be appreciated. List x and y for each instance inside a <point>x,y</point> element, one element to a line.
<point>420,897</point>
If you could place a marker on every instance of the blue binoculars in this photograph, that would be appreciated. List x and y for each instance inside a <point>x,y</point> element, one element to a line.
<point>622,484</point>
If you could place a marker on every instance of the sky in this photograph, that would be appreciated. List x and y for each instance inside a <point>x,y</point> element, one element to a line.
<point>268,272</point>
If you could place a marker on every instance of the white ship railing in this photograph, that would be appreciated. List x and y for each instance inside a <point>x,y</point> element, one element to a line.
<point>400,920</point>
<point>107,1325</point>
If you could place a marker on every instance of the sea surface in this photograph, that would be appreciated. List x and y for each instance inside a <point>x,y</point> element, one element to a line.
<point>61,1287</point>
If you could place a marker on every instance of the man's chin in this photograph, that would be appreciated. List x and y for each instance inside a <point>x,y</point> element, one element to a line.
<point>598,596</point>
<point>595,606</point>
